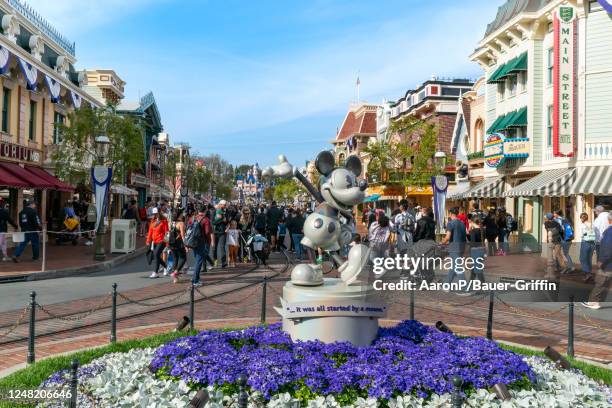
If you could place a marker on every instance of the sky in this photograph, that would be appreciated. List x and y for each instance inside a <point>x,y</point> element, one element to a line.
<point>250,80</point>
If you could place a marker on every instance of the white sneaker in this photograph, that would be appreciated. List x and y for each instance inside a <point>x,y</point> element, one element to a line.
<point>5,259</point>
<point>166,273</point>
<point>89,243</point>
<point>154,275</point>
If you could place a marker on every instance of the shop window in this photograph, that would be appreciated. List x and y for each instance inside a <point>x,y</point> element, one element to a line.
<point>6,105</point>
<point>605,201</point>
<point>555,203</point>
<point>569,209</point>
<point>32,124</point>
<point>501,90</point>
<point>512,82</point>
<point>549,126</point>
<point>522,81</point>
<point>551,64</point>
<point>57,121</point>
<point>479,131</point>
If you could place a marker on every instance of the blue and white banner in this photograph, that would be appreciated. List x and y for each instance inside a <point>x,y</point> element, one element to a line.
<point>54,88</point>
<point>76,99</point>
<point>5,56</point>
<point>30,72</point>
<point>101,177</point>
<point>439,185</point>
<point>607,5</point>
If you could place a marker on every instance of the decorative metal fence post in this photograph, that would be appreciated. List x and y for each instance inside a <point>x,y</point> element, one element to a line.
<point>32,332</point>
<point>191,306</point>
<point>74,381</point>
<point>113,336</point>
<point>243,397</point>
<point>412,305</point>
<point>456,398</point>
<point>490,317</point>
<point>570,328</point>
<point>263,299</point>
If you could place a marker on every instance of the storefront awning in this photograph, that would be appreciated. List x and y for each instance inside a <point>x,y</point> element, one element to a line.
<point>121,189</point>
<point>488,188</point>
<point>592,180</point>
<point>8,179</point>
<point>519,118</point>
<point>43,174</point>
<point>516,64</point>
<point>456,192</point>
<point>31,179</point>
<point>551,183</point>
<point>497,75</point>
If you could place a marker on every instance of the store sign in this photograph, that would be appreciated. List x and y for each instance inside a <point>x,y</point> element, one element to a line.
<point>498,149</point>
<point>138,179</point>
<point>607,5</point>
<point>564,82</point>
<point>20,153</point>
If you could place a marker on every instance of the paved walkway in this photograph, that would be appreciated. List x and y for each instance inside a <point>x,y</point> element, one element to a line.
<point>59,257</point>
<point>159,306</point>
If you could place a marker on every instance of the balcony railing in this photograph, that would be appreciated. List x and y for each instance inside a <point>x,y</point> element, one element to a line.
<point>43,25</point>
<point>598,151</point>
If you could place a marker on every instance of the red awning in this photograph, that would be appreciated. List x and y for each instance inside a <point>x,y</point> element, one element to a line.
<point>56,183</point>
<point>8,179</point>
<point>32,179</point>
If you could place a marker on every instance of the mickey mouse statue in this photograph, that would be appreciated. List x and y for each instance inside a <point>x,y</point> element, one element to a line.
<point>338,192</point>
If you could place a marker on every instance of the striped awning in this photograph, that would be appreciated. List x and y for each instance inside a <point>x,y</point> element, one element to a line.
<point>593,180</point>
<point>456,192</point>
<point>488,188</point>
<point>551,183</point>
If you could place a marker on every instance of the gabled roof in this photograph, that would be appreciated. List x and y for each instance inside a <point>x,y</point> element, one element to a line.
<point>146,105</point>
<point>512,8</point>
<point>357,121</point>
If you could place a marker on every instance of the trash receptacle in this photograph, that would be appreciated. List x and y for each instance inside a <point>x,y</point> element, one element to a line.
<point>123,236</point>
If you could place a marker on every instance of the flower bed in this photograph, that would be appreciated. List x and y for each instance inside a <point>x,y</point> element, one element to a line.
<point>408,366</point>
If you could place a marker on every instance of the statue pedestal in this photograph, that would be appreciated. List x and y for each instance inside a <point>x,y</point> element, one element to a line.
<point>331,312</point>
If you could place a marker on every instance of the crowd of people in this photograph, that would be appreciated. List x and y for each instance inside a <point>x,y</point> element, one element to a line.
<point>220,235</point>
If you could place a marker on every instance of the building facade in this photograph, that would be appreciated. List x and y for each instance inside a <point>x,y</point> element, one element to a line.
<point>548,142</point>
<point>434,101</point>
<point>39,87</point>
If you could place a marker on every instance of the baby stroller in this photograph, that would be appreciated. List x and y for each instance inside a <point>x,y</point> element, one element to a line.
<point>70,232</point>
<point>260,247</point>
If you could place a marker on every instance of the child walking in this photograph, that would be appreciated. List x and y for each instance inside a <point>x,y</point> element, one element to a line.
<point>233,242</point>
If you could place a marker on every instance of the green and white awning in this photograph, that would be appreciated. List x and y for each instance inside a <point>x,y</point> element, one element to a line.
<point>456,192</point>
<point>492,187</point>
<point>517,118</point>
<point>593,180</point>
<point>551,183</point>
<point>511,67</point>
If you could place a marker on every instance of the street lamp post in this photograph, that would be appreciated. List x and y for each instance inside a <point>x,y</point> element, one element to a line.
<point>102,146</point>
<point>440,162</point>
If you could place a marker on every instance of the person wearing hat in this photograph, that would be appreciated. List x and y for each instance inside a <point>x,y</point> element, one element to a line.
<point>29,223</point>
<point>5,219</point>
<point>554,233</point>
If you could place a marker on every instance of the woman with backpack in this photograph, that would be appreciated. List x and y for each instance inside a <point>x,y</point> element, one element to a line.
<point>378,237</point>
<point>156,235</point>
<point>491,232</point>
<point>260,220</point>
<point>179,252</point>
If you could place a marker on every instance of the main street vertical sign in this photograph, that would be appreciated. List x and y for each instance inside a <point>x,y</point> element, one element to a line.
<point>564,82</point>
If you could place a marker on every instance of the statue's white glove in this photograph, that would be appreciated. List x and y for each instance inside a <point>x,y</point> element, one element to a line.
<point>284,169</point>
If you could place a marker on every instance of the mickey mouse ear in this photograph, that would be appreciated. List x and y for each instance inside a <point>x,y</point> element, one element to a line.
<point>325,162</point>
<point>353,164</point>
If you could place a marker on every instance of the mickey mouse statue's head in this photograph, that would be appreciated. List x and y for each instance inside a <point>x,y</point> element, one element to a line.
<point>339,186</point>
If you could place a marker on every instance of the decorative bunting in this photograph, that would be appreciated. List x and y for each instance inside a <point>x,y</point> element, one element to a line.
<point>76,99</point>
<point>54,88</point>
<point>4,60</point>
<point>30,72</point>
<point>101,177</point>
<point>439,185</point>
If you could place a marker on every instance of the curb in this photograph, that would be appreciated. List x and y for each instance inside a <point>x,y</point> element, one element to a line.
<point>74,271</point>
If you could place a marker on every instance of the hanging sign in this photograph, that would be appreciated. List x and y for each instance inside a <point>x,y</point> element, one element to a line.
<point>54,88</point>
<point>101,177</point>
<point>4,60</point>
<point>30,72</point>
<point>564,25</point>
<point>498,149</point>
<point>439,185</point>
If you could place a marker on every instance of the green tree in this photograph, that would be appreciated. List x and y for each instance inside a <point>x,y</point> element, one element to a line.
<point>285,190</point>
<point>77,151</point>
<point>409,151</point>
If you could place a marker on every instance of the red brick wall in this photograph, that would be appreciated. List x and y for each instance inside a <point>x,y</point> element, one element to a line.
<point>446,124</point>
